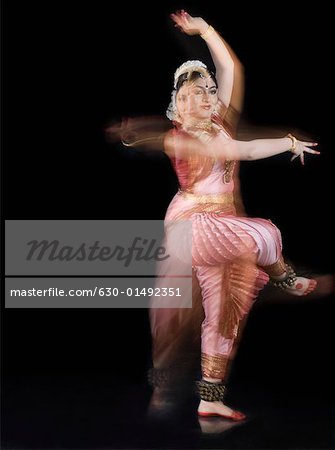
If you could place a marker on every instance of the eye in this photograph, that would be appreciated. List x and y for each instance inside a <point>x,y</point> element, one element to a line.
<point>182,98</point>
<point>213,91</point>
<point>198,92</point>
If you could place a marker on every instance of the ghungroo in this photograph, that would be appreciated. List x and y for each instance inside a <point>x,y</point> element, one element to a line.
<point>159,377</point>
<point>288,281</point>
<point>210,392</point>
<point>167,378</point>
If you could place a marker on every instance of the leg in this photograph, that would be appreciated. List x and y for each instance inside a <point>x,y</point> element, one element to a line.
<point>175,352</point>
<point>269,256</point>
<point>239,236</point>
<point>217,285</point>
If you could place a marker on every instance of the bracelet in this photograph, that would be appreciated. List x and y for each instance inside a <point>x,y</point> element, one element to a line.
<point>210,30</point>
<point>294,142</point>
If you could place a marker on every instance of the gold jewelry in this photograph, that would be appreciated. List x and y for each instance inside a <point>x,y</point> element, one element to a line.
<point>139,141</point>
<point>205,125</point>
<point>159,139</point>
<point>226,198</point>
<point>294,142</point>
<point>277,269</point>
<point>210,30</point>
<point>228,171</point>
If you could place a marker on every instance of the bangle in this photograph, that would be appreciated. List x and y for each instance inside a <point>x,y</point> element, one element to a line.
<point>294,142</point>
<point>210,30</point>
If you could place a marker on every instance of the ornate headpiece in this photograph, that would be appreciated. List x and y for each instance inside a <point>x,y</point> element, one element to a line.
<point>188,66</point>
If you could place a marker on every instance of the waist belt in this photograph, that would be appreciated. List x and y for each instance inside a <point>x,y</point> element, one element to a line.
<point>226,198</point>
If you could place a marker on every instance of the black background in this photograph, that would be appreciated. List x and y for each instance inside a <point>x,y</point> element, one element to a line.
<point>69,69</point>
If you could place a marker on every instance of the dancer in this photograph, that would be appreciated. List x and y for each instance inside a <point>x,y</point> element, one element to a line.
<point>233,257</point>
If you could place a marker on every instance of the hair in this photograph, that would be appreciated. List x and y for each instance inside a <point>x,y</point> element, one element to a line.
<point>192,76</point>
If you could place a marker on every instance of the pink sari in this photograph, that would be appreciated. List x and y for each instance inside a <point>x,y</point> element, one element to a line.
<point>227,255</point>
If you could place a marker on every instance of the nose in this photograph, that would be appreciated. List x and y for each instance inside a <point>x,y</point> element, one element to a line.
<point>205,96</point>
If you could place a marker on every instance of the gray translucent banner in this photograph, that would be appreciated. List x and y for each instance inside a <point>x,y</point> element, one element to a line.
<point>98,247</point>
<point>98,292</point>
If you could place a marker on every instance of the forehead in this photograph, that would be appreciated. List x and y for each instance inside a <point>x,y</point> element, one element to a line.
<point>205,83</point>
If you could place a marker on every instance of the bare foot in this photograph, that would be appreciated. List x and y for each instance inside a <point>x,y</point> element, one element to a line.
<point>162,403</point>
<point>216,426</point>
<point>212,409</point>
<point>302,286</point>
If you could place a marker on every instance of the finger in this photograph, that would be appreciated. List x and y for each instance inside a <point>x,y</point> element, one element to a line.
<point>185,15</point>
<point>114,129</point>
<point>175,18</point>
<point>293,157</point>
<point>178,24</point>
<point>184,19</point>
<point>309,144</point>
<point>313,152</point>
<point>180,14</point>
<point>181,18</point>
<point>302,158</point>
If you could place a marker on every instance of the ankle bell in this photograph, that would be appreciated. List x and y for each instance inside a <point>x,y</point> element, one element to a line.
<point>210,392</point>
<point>288,281</point>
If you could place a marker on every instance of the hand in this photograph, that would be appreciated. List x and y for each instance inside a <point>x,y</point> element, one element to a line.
<point>129,129</point>
<point>139,130</point>
<point>301,148</point>
<point>188,24</point>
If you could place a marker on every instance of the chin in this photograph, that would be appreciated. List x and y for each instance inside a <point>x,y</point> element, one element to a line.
<point>204,116</point>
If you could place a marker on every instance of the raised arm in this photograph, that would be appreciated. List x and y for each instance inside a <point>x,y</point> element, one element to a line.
<point>223,61</point>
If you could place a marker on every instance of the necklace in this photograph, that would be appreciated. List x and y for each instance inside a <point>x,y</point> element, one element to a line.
<point>205,125</point>
<point>228,171</point>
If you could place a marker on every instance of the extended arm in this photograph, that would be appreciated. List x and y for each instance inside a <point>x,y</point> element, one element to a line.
<point>221,148</point>
<point>265,148</point>
<point>134,133</point>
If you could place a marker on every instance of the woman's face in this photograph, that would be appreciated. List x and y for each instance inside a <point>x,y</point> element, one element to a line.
<point>197,100</point>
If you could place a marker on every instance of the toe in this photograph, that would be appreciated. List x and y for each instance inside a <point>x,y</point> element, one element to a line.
<point>311,286</point>
<point>237,416</point>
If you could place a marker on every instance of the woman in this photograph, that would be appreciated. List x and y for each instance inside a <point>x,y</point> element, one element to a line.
<point>232,257</point>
